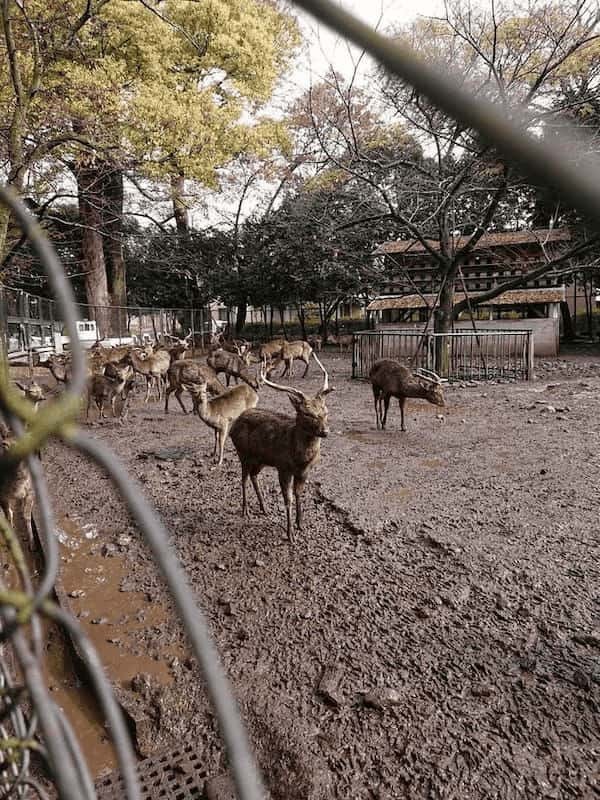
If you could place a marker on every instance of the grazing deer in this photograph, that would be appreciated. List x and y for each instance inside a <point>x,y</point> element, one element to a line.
<point>391,379</point>
<point>289,351</point>
<point>231,364</point>
<point>16,490</point>
<point>184,372</point>
<point>220,412</point>
<point>152,365</point>
<point>270,350</point>
<point>315,341</point>
<point>290,444</point>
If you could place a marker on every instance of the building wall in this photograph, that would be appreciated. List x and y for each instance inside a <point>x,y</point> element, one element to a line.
<point>545,331</point>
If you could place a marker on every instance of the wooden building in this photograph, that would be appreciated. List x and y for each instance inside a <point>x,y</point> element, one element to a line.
<point>411,291</point>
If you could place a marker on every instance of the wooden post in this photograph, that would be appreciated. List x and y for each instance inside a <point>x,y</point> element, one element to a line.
<point>530,354</point>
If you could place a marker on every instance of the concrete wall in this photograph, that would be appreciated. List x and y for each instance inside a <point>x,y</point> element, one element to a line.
<point>546,331</point>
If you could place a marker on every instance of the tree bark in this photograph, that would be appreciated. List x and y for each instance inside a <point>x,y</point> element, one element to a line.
<point>90,195</point>
<point>113,247</point>
<point>180,207</point>
<point>240,317</point>
<point>443,317</point>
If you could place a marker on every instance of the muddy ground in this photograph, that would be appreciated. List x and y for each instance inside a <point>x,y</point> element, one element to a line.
<point>449,573</point>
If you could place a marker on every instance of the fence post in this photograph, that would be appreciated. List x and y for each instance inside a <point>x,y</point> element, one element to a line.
<point>530,355</point>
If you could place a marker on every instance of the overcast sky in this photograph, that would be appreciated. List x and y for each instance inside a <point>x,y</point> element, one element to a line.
<point>326,47</point>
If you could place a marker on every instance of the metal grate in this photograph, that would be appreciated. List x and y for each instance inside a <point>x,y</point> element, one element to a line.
<point>173,775</point>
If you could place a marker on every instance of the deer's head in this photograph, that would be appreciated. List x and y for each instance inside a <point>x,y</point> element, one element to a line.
<point>311,412</point>
<point>432,384</point>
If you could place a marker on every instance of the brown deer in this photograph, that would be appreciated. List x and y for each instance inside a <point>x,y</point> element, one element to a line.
<point>289,351</point>
<point>115,384</point>
<point>270,350</point>
<point>16,490</point>
<point>185,371</point>
<point>60,368</point>
<point>391,379</point>
<point>152,365</point>
<point>290,444</point>
<point>231,364</point>
<point>34,392</point>
<point>220,412</point>
<point>315,341</point>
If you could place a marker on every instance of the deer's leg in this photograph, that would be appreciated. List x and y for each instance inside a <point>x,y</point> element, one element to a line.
<point>376,397</point>
<point>254,478</point>
<point>148,388</point>
<point>298,489</point>
<point>168,391</point>
<point>386,405</point>
<point>245,473</point>
<point>89,403</point>
<point>402,403</point>
<point>178,393</point>
<point>306,368</point>
<point>285,481</point>
<point>113,405</point>
<point>227,378</point>
<point>222,439</point>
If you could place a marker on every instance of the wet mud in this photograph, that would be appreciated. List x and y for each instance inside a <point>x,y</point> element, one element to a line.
<point>447,577</point>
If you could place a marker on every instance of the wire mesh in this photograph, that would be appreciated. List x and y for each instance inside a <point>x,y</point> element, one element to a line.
<point>47,731</point>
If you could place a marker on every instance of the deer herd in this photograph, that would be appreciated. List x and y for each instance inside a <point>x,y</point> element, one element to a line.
<point>261,437</point>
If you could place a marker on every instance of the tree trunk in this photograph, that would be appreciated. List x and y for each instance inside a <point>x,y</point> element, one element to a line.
<point>113,247</point>
<point>282,320</point>
<point>180,207</point>
<point>301,319</point>
<point>568,329</point>
<point>443,317</point>
<point>89,187</point>
<point>240,318</point>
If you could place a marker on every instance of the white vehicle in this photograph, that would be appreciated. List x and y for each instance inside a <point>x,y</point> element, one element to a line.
<point>87,333</point>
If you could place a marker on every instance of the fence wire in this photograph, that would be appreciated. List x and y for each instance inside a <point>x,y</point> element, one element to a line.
<point>46,730</point>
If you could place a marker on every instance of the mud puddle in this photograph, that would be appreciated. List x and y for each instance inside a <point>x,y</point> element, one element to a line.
<point>92,570</point>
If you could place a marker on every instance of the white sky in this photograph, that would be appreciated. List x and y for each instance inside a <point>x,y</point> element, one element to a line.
<point>326,47</point>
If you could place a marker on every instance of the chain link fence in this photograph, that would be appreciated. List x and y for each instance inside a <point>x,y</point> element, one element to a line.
<point>45,730</point>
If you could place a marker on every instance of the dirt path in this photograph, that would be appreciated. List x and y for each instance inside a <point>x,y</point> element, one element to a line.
<point>455,564</point>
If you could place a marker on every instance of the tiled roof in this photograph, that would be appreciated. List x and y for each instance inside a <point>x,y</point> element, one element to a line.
<point>498,239</point>
<point>512,297</point>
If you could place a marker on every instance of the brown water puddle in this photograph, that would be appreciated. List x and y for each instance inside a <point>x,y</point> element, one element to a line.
<point>109,617</point>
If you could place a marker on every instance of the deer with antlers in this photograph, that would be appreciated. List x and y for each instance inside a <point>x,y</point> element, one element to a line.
<point>389,379</point>
<point>290,444</point>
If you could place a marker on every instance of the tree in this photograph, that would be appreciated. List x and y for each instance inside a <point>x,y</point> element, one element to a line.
<point>453,181</point>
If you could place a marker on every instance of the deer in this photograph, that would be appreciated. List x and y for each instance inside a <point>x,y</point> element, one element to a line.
<point>185,371</point>
<point>152,365</point>
<point>289,351</point>
<point>220,412</point>
<point>290,444</point>
<point>389,379</point>
<point>116,383</point>
<point>34,393</point>
<point>231,364</point>
<point>270,350</point>
<point>60,368</point>
<point>315,341</point>
<point>16,490</point>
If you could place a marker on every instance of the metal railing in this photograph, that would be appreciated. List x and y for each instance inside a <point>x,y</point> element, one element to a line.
<point>461,355</point>
<point>20,610</point>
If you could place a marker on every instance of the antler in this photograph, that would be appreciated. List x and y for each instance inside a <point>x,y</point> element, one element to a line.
<point>326,378</point>
<point>288,389</point>
<point>428,375</point>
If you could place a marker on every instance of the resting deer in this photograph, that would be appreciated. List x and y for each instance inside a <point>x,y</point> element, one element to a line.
<point>16,490</point>
<point>189,372</point>
<point>391,379</point>
<point>220,412</point>
<point>231,364</point>
<point>291,445</point>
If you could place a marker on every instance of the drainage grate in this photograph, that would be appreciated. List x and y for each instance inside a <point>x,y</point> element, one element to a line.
<point>175,775</point>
